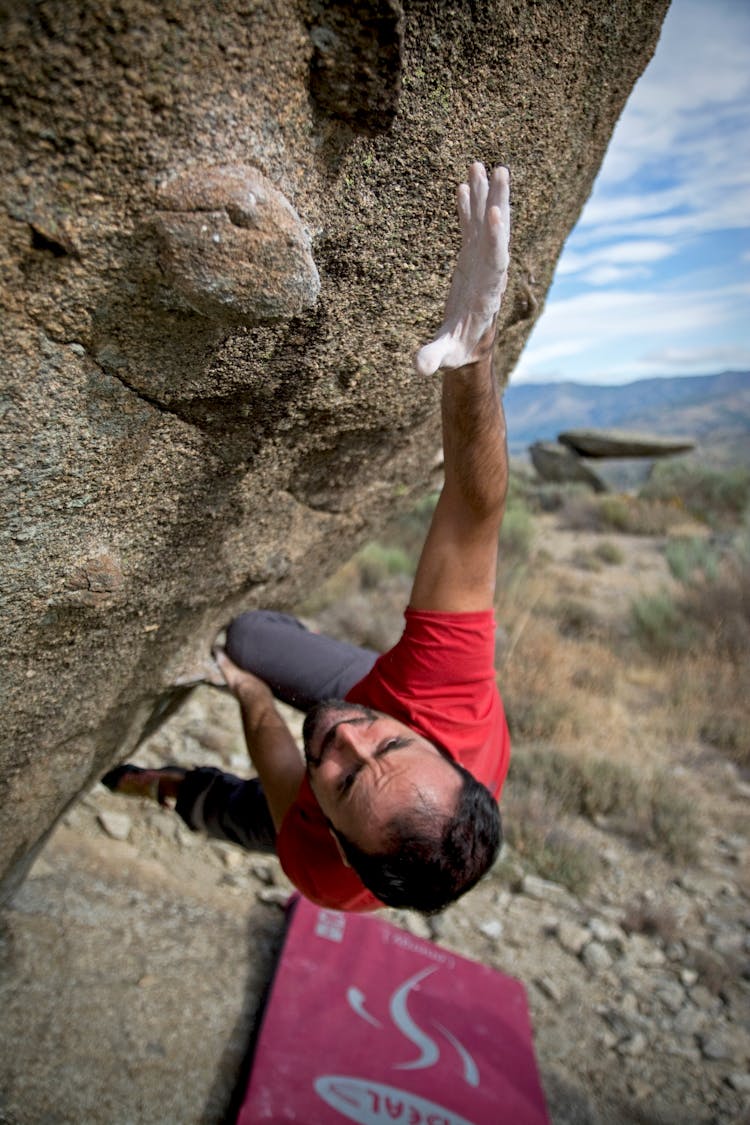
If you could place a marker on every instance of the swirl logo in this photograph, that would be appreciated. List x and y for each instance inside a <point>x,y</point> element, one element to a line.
<point>429,1049</point>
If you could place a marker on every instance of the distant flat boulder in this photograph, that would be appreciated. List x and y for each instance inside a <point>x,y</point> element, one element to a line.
<point>559,465</point>
<point>623,443</point>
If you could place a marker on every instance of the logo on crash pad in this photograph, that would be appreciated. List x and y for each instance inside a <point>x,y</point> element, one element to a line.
<point>372,1103</point>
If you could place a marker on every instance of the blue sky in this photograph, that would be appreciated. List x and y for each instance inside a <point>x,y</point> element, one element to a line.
<point>655,277</point>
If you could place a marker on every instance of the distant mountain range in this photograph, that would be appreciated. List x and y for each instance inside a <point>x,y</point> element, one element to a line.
<point>714,410</point>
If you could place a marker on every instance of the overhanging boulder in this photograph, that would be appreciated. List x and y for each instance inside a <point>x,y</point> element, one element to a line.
<point>178,446</point>
<point>557,464</point>
<point>623,443</point>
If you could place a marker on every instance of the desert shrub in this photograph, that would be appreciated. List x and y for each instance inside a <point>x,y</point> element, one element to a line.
<point>633,516</point>
<point>691,556</point>
<point>661,625</point>
<point>534,717</point>
<point>722,608</point>
<point>615,512</point>
<point>627,515</point>
<point>587,560</point>
<point>728,731</point>
<point>718,497</point>
<point>554,774</point>
<point>674,827</point>
<point>609,553</point>
<point>551,497</point>
<point>377,562</point>
<point>517,534</point>
<point>651,810</point>
<point>580,511</point>
<point>534,826</point>
<point>596,679</point>
<point>576,618</point>
<point>607,787</point>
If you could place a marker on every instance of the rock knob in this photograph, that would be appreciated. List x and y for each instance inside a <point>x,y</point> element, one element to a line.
<point>233,247</point>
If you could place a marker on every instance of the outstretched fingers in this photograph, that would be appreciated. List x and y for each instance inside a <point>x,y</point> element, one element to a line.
<point>479,188</point>
<point>499,239</point>
<point>463,204</point>
<point>499,190</point>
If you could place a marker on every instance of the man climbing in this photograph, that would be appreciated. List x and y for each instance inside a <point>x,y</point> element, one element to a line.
<point>405,753</point>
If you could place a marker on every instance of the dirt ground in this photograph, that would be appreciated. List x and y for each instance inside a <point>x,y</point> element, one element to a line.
<point>135,956</point>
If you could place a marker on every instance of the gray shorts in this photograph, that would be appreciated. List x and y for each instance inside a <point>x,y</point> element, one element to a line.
<point>301,668</point>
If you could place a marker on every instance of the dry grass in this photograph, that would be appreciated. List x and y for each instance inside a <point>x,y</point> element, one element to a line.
<point>705,699</point>
<point>626,515</point>
<point>540,833</point>
<point>701,635</point>
<point>536,685</point>
<point>555,687</point>
<point>648,809</point>
<point>718,497</point>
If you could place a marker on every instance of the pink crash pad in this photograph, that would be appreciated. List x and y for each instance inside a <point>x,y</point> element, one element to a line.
<point>367,1023</point>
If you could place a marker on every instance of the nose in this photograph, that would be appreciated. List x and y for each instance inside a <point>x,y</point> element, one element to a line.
<point>354,739</point>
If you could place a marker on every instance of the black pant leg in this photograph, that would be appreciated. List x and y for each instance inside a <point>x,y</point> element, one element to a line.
<point>228,808</point>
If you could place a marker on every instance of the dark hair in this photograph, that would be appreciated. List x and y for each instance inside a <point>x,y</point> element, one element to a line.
<point>431,858</point>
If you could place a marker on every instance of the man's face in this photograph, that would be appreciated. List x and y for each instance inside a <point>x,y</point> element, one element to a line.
<point>365,767</point>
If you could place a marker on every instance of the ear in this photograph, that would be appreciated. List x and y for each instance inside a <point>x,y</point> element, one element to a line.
<point>341,851</point>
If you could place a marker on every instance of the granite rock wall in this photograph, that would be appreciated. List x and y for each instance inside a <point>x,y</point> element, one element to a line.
<point>224,230</point>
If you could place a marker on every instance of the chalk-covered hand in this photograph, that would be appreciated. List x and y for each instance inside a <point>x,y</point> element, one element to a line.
<point>480,276</point>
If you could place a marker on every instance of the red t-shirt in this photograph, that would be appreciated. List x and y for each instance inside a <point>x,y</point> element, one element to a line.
<point>439,680</point>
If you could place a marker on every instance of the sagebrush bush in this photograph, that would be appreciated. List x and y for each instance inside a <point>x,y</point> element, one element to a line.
<point>647,808</point>
<point>377,562</point>
<point>517,533</point>
<point>688,557</point>
<point>661,625</point>
<point>534,826</point>
<point>722,608</point>
<point>577,618</point>
<point>609,553</point>
<point>674,828</point>
<point>534,718</point>
<point>627,515</point>
<point>718,497</point>
<point>587,560</point>
<point>729,731</point>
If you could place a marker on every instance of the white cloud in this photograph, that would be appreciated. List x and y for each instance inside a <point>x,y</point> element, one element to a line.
<point>612,275</point>
<point>631,329</point>
<point>704,359</point>
<point>693,89</point>
<point>634,252</point>
<point>676,173</point>
<point>677,164</point>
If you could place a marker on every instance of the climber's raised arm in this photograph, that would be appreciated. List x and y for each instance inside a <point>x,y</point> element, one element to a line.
<point>457,568</point>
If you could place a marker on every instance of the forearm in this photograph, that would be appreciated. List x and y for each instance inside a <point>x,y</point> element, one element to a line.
<point>272,750</point>
<point>474,441</point>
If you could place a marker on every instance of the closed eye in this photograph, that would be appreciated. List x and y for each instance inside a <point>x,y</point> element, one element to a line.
<point>392,744</point>
<point>386,747</point>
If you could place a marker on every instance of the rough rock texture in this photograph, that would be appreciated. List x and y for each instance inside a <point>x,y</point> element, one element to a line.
<point>166,467</point>
<point>556,463</point>
<point>623,443</point>
<point>234,247</point>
